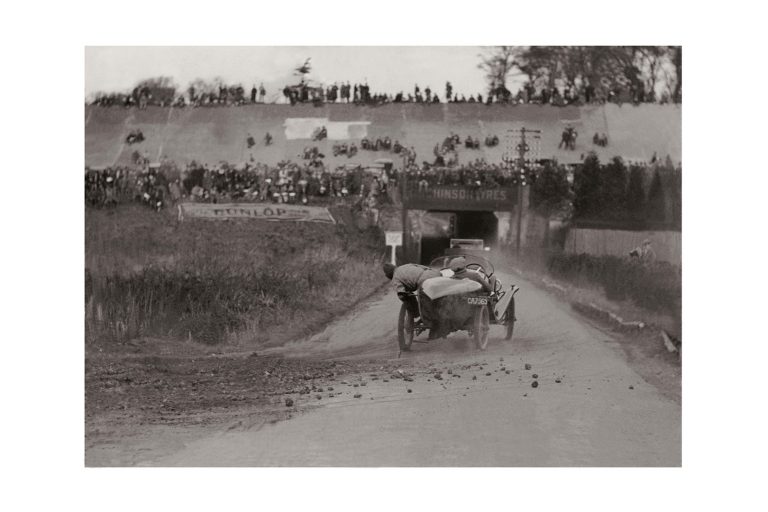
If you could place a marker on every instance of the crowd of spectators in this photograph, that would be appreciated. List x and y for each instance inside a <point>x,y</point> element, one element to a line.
<point>287,182</point>
<point>222,95</point>
<point>360,94</point>
<point>163,185</point>
<point>475,174</point>
<point>110,186</point>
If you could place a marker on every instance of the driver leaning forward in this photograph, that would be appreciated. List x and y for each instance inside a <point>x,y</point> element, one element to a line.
<point>407,279</point>
<point>459,268</point>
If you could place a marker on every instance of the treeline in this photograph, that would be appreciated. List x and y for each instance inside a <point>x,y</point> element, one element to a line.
<point>597,72</point>
<point>614,194</point>
<point>640,195</point>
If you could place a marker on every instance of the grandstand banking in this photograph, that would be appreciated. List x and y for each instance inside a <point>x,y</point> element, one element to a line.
<point>214,134</point>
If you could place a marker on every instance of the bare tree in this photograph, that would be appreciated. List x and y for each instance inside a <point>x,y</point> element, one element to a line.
<point>677,61</point>
<point>498,62</point>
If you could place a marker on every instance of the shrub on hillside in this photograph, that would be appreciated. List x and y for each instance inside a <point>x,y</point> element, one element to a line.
<point>656,286</point>
<point>146,275</point>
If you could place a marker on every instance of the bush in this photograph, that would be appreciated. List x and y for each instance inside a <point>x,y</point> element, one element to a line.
<point>656,286</point>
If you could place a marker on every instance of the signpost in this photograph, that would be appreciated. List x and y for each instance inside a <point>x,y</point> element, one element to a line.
<point>394,240</point>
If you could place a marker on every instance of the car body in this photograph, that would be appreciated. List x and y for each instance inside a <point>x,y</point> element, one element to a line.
<point>460,305</point>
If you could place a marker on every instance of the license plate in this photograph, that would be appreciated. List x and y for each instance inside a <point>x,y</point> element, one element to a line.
<point>477,301</point>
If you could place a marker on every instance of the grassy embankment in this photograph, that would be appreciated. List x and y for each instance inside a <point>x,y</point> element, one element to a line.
<point>636,291</point>
<point>148,275</point>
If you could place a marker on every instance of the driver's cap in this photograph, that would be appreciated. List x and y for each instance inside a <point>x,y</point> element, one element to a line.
<point>458,264</point>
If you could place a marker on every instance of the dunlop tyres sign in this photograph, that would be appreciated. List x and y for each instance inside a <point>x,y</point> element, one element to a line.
<point>453,198</point>
<point>261,211</point>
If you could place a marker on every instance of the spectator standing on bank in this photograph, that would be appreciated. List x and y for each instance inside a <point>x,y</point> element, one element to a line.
<point>644,252</point>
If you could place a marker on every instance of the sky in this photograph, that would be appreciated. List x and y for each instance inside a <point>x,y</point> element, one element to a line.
<point>387,69</point>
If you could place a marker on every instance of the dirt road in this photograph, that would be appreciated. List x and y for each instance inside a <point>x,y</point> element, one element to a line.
<point>445,404</point>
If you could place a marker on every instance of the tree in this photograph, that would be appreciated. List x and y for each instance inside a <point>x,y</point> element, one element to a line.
<point>613,189</point>
<point>604,67</point>
<point>586,202</point>
<point>676,196</point>
<point>635,199</point>
<point>677,62</point>
<point>539,63</point>
<point>551,189</point>
<point>498,62</point>
<point>651,61</point>
<point>656,206</point>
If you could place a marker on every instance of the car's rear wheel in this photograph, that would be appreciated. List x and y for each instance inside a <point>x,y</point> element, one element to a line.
<point>510,319</point>
<point>481,327</point>
<point>405,329</point>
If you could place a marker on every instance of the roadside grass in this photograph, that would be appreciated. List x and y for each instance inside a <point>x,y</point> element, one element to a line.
<point>636,292</point>
<point>655,286</point>
<point>208,281</point>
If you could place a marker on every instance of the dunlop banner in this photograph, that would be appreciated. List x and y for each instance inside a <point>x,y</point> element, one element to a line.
<point>264,211</point>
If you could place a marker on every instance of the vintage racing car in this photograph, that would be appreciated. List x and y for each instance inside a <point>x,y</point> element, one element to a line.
<point>460,304</point>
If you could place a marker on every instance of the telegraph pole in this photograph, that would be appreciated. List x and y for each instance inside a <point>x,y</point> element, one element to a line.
<point>521,149</point>
<point>404,211</point>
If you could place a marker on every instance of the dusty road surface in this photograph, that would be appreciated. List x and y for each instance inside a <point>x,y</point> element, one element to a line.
<point>562,392</point>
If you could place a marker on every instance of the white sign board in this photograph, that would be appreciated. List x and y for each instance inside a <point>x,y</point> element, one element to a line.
<point>394,238</point>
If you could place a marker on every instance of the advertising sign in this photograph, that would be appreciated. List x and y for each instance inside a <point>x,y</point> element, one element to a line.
<point>262,211</point>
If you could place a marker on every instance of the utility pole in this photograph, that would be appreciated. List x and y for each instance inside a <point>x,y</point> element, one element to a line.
<point>522,148</point>
<point>404,211</point>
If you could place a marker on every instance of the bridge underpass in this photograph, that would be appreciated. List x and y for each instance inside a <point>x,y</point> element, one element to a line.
<point>438,213</point>
<point>459,224</point>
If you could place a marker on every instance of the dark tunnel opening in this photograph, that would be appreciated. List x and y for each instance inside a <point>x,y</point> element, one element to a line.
<point>467,224</point>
